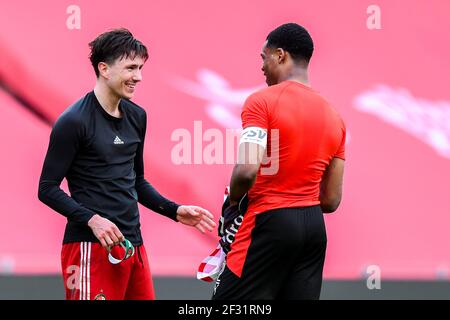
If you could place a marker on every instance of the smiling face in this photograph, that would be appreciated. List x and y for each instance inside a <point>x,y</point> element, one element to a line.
<point>122,75</point>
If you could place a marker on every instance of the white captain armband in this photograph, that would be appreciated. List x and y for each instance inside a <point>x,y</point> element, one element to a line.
<point>254,135</point>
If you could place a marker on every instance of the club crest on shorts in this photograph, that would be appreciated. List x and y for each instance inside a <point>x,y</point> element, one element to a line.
<point>100,296</point>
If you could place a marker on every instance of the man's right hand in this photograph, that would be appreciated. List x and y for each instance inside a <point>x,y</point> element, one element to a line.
<point>105,231</point>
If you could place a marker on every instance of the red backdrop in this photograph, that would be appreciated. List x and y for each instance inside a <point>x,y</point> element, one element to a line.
<point>391,86</point>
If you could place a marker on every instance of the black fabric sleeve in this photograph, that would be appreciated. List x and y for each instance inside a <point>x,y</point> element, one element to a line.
<point>63,146</point>
<point>147,194</point>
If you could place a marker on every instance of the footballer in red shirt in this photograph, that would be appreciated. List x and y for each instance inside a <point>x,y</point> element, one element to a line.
<point>291,163</point>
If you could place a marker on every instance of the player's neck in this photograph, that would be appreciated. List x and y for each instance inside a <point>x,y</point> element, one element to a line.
<point>298,75</point>
<point>107,99</point>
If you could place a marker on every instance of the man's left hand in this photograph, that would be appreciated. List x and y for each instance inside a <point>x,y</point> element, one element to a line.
<point>197,217</point>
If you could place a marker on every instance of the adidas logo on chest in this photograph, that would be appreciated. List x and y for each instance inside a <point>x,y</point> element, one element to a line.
<point>118,141</point>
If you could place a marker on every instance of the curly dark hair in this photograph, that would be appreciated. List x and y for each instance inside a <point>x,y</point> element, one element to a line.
<point>294,39</point>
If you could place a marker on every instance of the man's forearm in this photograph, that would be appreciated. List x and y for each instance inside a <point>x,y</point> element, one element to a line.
<point>53,196</point>
<point>240,184</point>
<point>152,199</point>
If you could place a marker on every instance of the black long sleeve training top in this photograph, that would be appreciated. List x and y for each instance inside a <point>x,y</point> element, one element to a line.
<point>101,157</point>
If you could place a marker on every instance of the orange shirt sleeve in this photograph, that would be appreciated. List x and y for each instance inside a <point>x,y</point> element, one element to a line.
<point>255,113</point>
<point>341,150</point>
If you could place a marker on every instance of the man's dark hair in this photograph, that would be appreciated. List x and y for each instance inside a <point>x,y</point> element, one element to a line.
<point>294,39</point>
<point>114,44</point>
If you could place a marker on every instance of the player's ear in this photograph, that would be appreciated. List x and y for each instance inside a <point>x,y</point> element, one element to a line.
<point>103,70</point>
<point>281,55</point>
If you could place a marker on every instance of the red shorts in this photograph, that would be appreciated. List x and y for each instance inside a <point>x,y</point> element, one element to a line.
<point>88,274</point>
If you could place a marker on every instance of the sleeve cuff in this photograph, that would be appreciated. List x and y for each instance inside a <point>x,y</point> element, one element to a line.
<point>82,217</point>
<point>170,210</point>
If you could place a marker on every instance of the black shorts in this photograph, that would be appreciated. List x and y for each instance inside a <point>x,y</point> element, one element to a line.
<point>285,258</point>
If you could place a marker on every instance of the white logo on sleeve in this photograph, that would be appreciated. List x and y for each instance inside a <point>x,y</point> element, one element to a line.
<point>117,140</point>
<point>254,135</point>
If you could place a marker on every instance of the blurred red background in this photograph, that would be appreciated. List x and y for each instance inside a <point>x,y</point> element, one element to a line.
<point>391,85</point>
